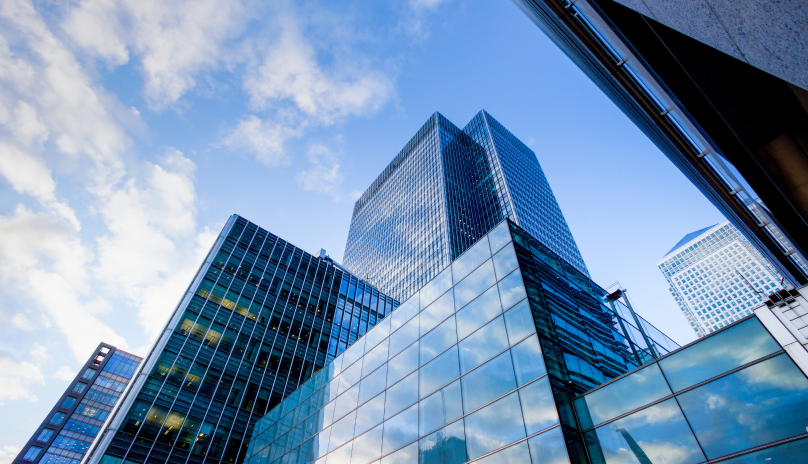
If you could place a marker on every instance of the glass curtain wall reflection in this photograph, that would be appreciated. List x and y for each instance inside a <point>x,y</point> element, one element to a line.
<point>730,392</point>
<point>259,318</point>
<point>460,371</point>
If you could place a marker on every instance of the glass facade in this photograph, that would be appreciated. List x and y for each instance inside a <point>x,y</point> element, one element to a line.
<point>259,318</point>
<point>724,395</point>
<point>72,425</point>
<point>478,364</point>
<point>717,277</point>
<point>446,189</point>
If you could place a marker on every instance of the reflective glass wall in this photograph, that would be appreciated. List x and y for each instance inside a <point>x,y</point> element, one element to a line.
<point>260,317</point>
<point>456,373</point>
<point>728,393</point>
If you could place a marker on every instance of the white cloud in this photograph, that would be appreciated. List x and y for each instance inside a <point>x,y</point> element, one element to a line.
<point>174,39</point>
<point>264,139</point>
<point>324,175</point>
<point>65,373</point>
<point>16,378</point>
<point>8,452</point>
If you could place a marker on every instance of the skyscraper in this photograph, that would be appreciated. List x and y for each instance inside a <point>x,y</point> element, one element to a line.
<point>440,194</point>
<point>717,277</point>
<point>74,422</point>
<point>682,70</point>
<point>260,316</point>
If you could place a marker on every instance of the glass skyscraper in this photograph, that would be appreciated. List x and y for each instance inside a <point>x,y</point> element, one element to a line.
<point>511,356</point>
<point>259,318</point>
<point>76,419</point>
<point>446,189</point>
<point>717,277</point>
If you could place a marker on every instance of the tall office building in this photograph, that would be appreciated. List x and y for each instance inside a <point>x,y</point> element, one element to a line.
<point>440,194</point>
<point>74,422</point>
<point>510,355</point>
<point>682,70</point>
<point>717,277</point>
<point>260,316</point>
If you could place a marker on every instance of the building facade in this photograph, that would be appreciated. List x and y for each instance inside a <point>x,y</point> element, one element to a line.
<point>259,318</point>
<point>482,363</point>
<point>717,277</point>
<point>71,426</point>
<point>681,70</point>
<point>440,194</point>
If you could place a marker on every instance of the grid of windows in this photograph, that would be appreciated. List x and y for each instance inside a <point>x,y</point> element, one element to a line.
<point>717,277</point>
<point>262,317</point>
<point>442,192</point>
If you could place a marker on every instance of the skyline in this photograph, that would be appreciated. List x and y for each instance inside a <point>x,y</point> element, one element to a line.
<point>150,173</point>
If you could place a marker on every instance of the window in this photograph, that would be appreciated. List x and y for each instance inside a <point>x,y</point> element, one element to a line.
<point>89,373</point>
<point>69,402</point>
<point>57,418</point>
<point>45,435</point>
<point>31,454</point>
<point>79,387</point>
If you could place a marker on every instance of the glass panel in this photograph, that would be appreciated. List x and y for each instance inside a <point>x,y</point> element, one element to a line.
<point>400,430</point>
<point>439,372</point>
<point>404,312</point>
<point>342,431</point>
<point>782,454</point>
<point>538,406</point>
<point>400,366</point>
<point>760,404</point>
<point>528,361</point>
<point>505,261</point>
<point>340,456</point>
<point>437,312</point>
<point>483,344</point>
<point>436,287</point>
<point>470,259</point>
<point>549,448</point>
<point>440,408</point>
<point>375,358</point>
<point>349,377</point>
<point>516,454</point>
<point>488,382</point>
<point>442,337</point>
<point>407,455</point>
<point>320,442</point>
<point>511,289</point>
<point>353,352</point>
<point>370,414</point>
<point>401,395</point>
<point>327,414</point>
<point>373,384</point>
<point>720,353</point>
<point>446,446</point>
<point>656,434</point>
<point>346,402</point>
<point>367,447</point>
<point>494,426</point>
<point>378,333</point>
<point>631,392</point>
<point>476,283</point>
<point>499,237</point>
<point>478,312</point>
<point>404,336</point>
<point>519,321</point>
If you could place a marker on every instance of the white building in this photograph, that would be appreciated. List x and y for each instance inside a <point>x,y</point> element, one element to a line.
<point>716,276</point>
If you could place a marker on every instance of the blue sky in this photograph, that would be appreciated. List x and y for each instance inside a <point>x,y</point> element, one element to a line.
<point>131,130</point>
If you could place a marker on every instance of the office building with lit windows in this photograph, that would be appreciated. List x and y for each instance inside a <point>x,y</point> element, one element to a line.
<point>482,363</point>
<point>510,355</point>
<point>260,316</point>
<point>717,277</point>
<point>446,189</point>
<point>71,426</point>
